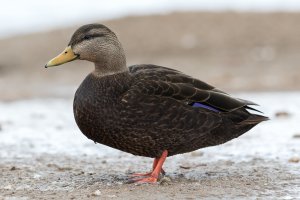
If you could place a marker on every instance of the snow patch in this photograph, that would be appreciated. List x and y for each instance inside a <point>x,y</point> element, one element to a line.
<point>47,126</point>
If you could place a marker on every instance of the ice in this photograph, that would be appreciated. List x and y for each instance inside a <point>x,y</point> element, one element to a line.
<point>42,126</point>
<point>46,126</point>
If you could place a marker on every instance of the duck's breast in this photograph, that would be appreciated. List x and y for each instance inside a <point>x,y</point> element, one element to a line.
<point>96,108</point>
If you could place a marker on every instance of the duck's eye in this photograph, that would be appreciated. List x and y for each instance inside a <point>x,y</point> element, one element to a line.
<point>87,37</point>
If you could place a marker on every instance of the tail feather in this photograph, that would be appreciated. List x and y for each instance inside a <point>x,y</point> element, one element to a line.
<point>247,102</point>
<point>254,119</point>
<point>250,108</point>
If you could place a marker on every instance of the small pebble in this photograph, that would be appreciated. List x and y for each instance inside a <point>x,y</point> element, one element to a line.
<point>119,183</point>
<point>294,160</point>
<point>165,181</point>
<point>111,196</point>
<point>282,114</point>
<point>13,168</point>
<point>197,153</point>
<point>297,136</point>
<point>229,163</point>
<point>37,176</point>
<point>97,193</point>
<point>185,166</point>
<point>8,187</point>
<point>79,173</point>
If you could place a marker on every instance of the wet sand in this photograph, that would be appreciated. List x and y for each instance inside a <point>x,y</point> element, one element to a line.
<point>63,177</point>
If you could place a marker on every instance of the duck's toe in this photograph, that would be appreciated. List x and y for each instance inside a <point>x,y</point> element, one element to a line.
<point>140,174</point>
<point>150,179</point>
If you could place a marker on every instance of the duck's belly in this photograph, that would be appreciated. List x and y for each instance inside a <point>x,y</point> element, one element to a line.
<point>148,133</point>
<point>102,124</point>
<point>114,132</point>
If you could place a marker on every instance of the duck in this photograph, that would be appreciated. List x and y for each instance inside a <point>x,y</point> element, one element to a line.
<point>148,110</point>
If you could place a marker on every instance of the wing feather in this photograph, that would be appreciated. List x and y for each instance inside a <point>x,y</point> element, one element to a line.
<point>164,82</point>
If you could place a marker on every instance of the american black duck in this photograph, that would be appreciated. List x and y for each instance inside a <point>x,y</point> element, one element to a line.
<point>148,110</point>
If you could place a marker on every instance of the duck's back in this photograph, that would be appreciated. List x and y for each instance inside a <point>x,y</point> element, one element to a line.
<point>151,109</point>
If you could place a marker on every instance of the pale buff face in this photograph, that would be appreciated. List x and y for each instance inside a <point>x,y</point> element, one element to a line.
<point>96,44</point>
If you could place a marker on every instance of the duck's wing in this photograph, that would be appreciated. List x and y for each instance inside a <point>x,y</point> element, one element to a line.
<point>164,82</point>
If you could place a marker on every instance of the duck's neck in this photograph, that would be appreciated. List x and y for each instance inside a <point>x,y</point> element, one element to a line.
<point>111,64</point>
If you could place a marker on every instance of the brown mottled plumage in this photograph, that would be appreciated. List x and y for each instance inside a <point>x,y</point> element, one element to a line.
<point>147,109</point>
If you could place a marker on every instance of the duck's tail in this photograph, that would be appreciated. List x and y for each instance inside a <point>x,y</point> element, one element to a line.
<point>254,119</point>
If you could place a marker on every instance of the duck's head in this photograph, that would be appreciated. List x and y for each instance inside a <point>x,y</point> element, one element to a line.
<point>95,43</point>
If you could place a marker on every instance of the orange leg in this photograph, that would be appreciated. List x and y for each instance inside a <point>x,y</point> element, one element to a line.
<point>157,165</point>
<point>149,173</point>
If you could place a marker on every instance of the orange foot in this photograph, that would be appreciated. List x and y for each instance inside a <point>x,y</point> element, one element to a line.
<point>146,174</point>
<point>140,174</point>
<point>146,180</point>
<point>157,169</point>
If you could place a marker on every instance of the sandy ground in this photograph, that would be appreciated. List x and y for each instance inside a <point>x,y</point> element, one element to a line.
<point>44,156</point>
<point>233,51</point>
<point>64,177</point>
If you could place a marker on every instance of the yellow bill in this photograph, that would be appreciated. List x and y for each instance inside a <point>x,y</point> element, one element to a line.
<point>66,56</point>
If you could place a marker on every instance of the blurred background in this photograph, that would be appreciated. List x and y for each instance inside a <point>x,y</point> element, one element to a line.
<point>234,45</point>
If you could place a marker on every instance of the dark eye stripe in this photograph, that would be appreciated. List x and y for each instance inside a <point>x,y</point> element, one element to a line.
<point>88,37</point>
